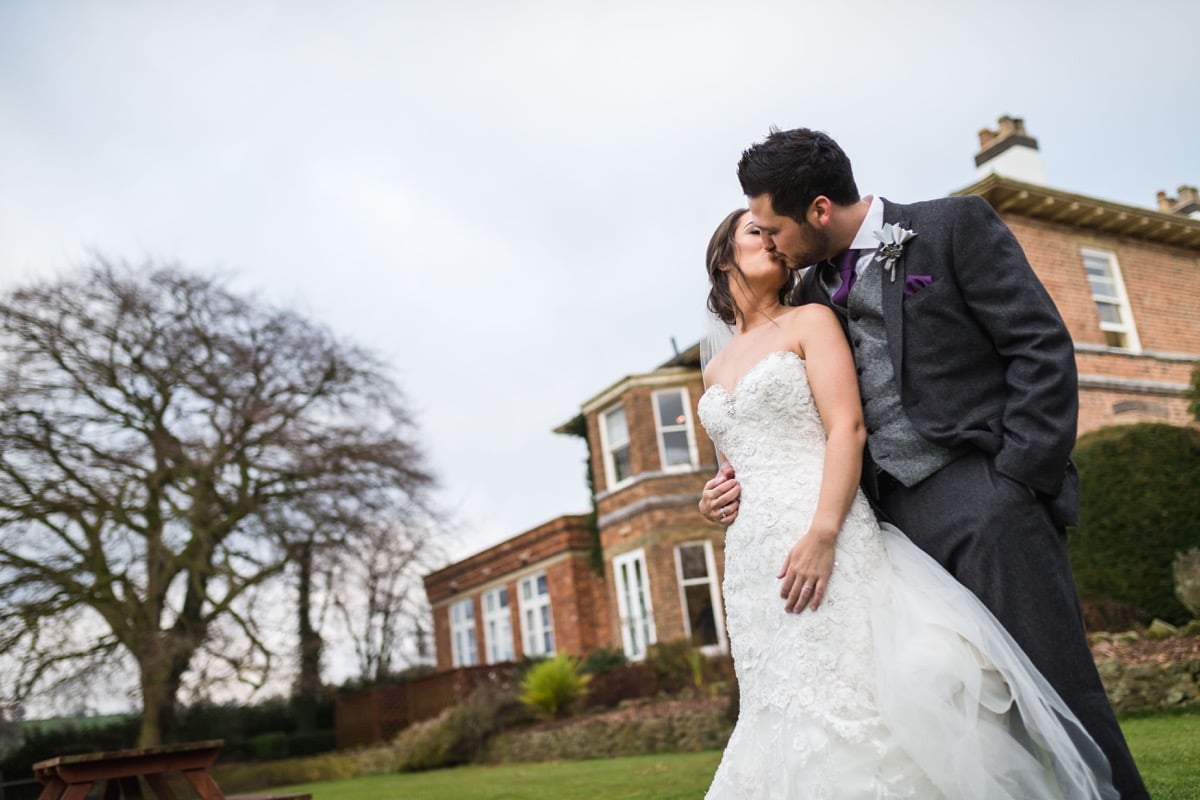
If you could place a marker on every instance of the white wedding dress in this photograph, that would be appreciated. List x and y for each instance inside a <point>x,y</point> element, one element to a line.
<point>902,685</point>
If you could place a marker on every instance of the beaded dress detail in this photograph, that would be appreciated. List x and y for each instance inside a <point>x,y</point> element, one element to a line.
<point>902,685</point>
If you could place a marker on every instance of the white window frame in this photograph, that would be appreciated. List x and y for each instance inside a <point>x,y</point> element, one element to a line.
<point>714,591</point>
<point>497,626</point>
<point>634,603</point>
<point>537,628</point>
<point>610,468</point>
<point>686,426</point>
<point>464,651</point>
<point>1120,300</point>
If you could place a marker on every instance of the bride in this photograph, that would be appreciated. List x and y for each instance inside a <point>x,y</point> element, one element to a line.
<point>879,676</point>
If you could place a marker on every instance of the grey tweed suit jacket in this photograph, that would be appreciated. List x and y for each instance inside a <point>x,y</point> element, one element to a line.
<point>981,355</point>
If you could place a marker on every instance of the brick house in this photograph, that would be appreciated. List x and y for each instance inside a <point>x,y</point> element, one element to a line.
<point>1126,280</point>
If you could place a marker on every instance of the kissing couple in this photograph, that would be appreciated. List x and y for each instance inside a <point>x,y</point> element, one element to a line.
<point>895,424</point>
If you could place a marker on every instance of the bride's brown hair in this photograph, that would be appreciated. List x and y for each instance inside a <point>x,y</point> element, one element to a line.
<point>720,252</point>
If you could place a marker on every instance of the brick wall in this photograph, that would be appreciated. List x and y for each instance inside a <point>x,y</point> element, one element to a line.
<point>561,548</point>
<point>580,626</point>
<point>1163,287</point>
<point>1162,282</point>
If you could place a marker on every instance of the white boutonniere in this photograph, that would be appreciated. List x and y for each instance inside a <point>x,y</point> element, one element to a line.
<point>892,239</point>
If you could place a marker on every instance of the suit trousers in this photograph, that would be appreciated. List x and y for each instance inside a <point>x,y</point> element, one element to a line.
<point>998,540</point>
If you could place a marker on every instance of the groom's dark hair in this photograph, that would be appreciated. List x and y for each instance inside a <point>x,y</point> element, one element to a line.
<point>794,167</point>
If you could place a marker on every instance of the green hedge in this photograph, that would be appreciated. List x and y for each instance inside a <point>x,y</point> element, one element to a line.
<point>267,730</point>
<point>1140,506</point>
<point>44,740</point>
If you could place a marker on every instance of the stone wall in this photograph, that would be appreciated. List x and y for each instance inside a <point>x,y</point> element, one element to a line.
<point>1150,685</point>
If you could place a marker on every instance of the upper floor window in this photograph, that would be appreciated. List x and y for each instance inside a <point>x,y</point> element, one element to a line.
<point>1112,304</point>
<point>497,626</point>
<point>703,621</point>
<point>615,438</point>
<point>463,652</point>
<point>676,445</point>
<point>537,624</point>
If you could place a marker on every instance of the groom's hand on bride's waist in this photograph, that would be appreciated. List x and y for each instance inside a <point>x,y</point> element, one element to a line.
<point>719,501</point>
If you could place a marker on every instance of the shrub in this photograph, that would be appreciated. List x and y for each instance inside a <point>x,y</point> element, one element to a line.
<point>554,686</point>
<point>1139,508</point>
<point>614,736</point>
<point>427,744</point>
<point>630,682</point>
<point>289,772</point>
<point>675,665</point>
<point>460,732</point>
<point>1187,579</point>
<point>602,660</point>
<point>1103,614</point>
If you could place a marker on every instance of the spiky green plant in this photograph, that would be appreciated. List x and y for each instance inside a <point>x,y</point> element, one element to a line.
<point>553,687</point>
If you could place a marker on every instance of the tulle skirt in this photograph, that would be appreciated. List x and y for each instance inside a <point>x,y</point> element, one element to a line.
<point>962,713</point>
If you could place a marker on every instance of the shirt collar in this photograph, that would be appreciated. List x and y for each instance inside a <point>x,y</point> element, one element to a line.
<point>873,221</point>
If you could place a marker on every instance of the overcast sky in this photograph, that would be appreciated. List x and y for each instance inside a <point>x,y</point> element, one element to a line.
<point>510,200</point>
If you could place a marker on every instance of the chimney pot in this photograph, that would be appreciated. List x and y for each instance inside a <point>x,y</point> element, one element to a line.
<point>1009,151</point>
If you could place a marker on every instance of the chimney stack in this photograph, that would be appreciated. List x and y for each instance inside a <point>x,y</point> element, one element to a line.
<point>1010,152</point>
<point>1186,205</point>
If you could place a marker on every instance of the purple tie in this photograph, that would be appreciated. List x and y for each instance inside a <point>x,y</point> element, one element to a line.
<point>846,267</point>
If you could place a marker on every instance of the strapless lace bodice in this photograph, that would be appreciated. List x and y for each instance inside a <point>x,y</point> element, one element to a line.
<point>769,420</point>
<point>769,430</point>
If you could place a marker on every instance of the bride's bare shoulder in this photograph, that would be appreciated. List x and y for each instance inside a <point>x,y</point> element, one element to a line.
<point>808,315</point>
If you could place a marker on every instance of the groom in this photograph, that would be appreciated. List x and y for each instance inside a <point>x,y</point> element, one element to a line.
<point>967,376</point>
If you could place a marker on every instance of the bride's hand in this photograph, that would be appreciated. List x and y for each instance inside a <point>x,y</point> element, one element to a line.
<point>806,570</point>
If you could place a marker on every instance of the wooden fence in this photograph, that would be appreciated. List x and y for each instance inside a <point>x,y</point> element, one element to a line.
<point>379,713</point>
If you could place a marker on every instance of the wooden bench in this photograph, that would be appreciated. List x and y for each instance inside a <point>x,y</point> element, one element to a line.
<point>72,777</point>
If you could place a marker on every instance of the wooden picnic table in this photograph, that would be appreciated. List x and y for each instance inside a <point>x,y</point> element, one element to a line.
<point>72,777</point>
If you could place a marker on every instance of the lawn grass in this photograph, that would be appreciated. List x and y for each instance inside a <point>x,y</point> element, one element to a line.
<point>1167,750</point>
<point>1166,747</point>
<point>668,776</point>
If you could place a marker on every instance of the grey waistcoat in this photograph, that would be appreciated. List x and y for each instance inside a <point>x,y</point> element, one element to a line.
<point>895,445</point>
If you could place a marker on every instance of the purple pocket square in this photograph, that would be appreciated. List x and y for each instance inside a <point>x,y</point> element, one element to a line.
<point>915,283</point>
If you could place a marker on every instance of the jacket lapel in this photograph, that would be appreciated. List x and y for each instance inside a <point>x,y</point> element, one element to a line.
<point>893,298</point>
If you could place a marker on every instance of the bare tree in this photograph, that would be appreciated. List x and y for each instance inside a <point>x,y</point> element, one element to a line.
<point>377,588</point>
<point>360,555</point>
<point>154,427</point>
